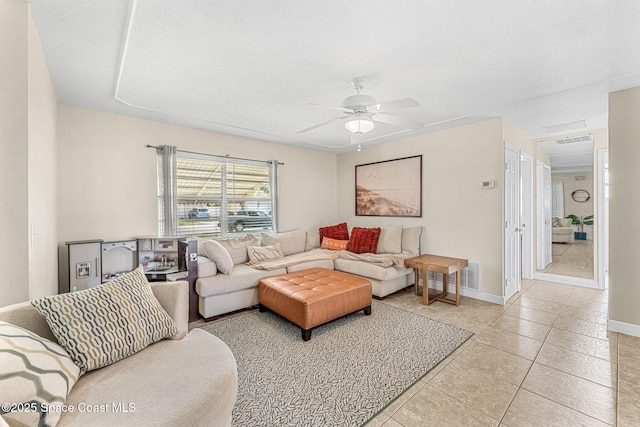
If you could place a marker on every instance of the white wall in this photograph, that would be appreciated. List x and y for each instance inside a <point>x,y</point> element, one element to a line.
<point>624,210</point>
<point>459,219</point>
<point>107,177</point>
<point>42,130</point>
<point>14,286</point>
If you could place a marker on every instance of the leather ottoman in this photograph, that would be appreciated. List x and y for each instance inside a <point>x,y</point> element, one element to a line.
<point>312,297</point>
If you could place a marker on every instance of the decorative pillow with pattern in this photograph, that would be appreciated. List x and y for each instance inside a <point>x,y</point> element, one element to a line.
<point>264,253</point>
<point>35,374</point>
<point>364,240</point>
<point>334,244</point>
<point>338,232</point>
<point>102,325</point>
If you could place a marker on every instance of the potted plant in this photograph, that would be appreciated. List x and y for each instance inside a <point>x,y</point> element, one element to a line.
<point>580,234</point>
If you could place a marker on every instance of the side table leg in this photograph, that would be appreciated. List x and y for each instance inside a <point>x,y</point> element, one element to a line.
<point>416,277</point>
<point>425,286</point>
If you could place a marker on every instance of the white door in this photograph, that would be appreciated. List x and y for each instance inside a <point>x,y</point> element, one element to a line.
<point>526,215</point>
<point>512,221</point>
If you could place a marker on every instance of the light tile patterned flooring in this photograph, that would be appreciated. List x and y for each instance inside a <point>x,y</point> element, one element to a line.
<point>544,359</point>
<point>577,261</point>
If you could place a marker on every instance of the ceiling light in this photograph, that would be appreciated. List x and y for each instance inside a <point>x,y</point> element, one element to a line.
<point>359,125</point>
<point>359,147</point>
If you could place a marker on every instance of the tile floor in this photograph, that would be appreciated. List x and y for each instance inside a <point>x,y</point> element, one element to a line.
<point>544,359</point>
<point>577,261</point>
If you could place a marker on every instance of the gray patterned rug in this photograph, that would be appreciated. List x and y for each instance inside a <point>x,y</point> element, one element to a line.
<point>348,372</point>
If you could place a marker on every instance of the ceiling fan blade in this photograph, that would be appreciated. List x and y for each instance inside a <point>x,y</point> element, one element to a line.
<point>321,124</point>
<point>342,109</point>
<point>397,121</point>
<point>397,104</point>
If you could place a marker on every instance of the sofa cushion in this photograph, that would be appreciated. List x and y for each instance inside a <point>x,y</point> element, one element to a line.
<point>364,240</point>
<point>411,240</point>
<point>554,222</point>
<point>243,277</point>
<point>220,255</point>
<point>110,322</point>
<point>263,253</point>
<point>237,247</point>
<point>338,231</point>
<point>291,242</point>
<point>562,230</point>
<point>365,269</point>
<point>390,241</point>
<point>313,240</point>
<point>36,373</point>
<point>206,267</point>
<point>334,244</point>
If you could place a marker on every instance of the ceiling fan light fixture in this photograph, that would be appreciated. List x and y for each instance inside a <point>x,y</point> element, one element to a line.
<point>359,125</point>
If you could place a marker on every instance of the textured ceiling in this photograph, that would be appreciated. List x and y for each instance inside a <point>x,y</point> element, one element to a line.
<point>266,69</point>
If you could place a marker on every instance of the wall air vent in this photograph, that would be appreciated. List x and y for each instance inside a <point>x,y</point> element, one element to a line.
<point>469,278</point>
<point>574,139</point>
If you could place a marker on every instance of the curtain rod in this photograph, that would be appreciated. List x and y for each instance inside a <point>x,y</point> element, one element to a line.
<point>208,154</point>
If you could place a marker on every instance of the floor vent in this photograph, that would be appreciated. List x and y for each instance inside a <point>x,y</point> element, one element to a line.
<point>469,277</point>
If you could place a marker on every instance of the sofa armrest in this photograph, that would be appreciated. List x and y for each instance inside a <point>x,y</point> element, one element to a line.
<point>174,298</point>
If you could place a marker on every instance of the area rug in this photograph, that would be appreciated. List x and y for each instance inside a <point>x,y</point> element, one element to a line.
<point>558,249</point>
<point>348,372</point>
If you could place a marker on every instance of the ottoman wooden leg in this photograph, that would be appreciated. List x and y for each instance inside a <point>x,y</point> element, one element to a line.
<point>367,311</point>
<point>306,334</point>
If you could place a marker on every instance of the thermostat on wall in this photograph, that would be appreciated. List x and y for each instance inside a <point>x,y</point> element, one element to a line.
<point>488,184</point>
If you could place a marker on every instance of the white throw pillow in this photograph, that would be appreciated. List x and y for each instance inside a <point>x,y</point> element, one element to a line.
<point>263,253</point>
<point>220,255</point>
<point>390,240</point>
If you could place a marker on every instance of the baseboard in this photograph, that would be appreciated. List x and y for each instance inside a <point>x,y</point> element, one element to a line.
<point>624,328</point>
<point>472,293</point>
<point>569,280</point>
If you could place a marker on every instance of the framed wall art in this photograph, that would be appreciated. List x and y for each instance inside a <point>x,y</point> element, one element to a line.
<point>390,188</point>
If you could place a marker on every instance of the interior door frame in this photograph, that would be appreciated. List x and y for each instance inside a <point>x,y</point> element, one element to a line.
<point>602,221</point>
<point>527,269</point>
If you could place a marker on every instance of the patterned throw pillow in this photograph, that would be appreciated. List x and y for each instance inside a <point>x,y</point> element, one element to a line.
<point>263,253</point>
<point>36,374</point>
<point>102,325</point>
<point>364,240</point>
<point>338,232</point>
<point>334,244</point>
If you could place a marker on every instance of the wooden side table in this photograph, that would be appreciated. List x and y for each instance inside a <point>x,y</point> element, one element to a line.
<point>438,264</point>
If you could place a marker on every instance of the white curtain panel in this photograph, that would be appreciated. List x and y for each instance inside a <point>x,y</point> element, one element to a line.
<point>274,193</point>
<point>167,191</point>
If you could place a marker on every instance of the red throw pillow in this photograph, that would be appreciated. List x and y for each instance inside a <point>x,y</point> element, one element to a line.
<point>338,232</point>
<point>364,240</point>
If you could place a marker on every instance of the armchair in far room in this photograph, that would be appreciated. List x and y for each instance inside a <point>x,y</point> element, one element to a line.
<point>561,230</point>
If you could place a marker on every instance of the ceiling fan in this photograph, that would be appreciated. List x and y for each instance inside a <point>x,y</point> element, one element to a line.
<point>361,111</point>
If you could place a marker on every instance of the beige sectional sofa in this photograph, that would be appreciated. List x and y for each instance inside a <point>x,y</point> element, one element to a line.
<point>188,379</point>
<point>221,293</point>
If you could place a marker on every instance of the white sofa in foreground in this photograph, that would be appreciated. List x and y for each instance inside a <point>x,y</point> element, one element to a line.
<point>234,287</point>
<point>189,379</point>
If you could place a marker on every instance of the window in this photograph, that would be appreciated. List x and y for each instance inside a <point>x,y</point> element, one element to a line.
<point>216,196</point>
